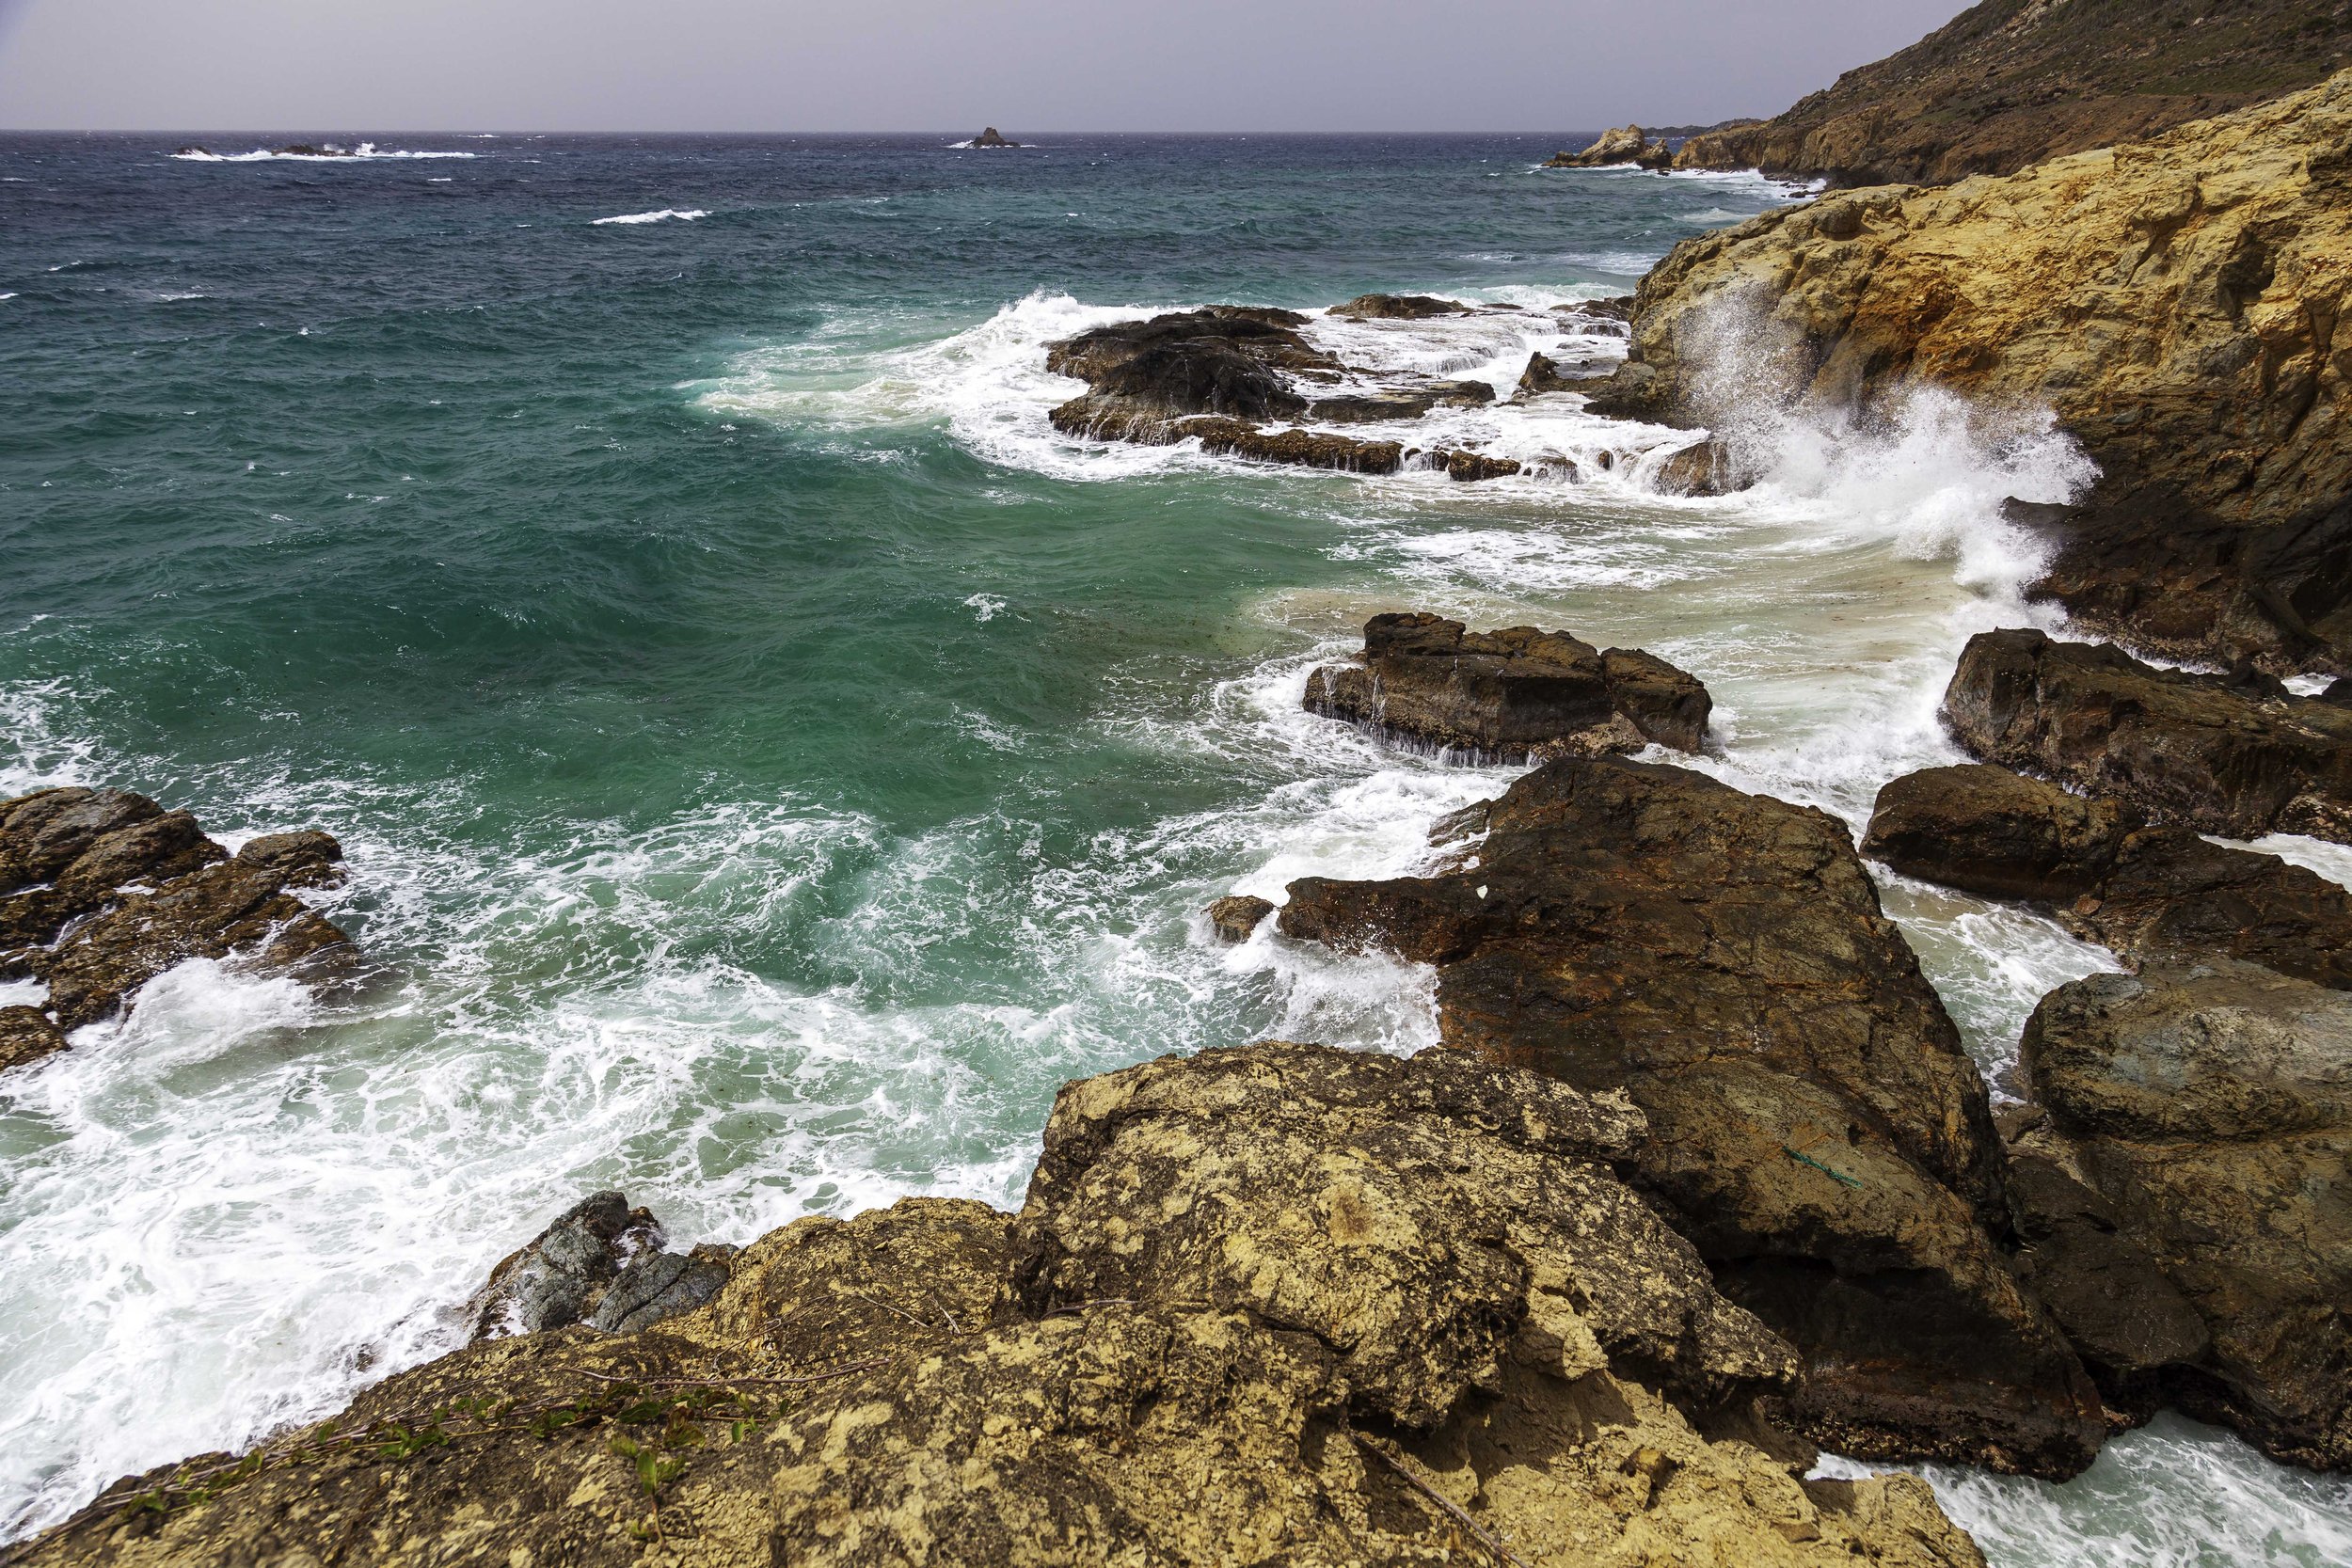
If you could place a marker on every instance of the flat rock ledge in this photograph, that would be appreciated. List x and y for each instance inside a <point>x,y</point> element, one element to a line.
<point>1268,1305</point>
<point>1512,694</point>
<point>2233,754</point>
<point>1815,1128</point>
<point>103,890</point>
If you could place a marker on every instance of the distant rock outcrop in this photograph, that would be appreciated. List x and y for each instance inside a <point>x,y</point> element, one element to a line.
<point>2011,83</point>
<point>1627,144</point>
<point>992,137</point>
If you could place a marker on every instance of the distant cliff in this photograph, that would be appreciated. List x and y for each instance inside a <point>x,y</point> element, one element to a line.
<point>2009,83</point>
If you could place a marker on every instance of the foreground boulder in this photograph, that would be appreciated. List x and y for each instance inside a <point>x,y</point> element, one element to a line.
<point>2232,755</point>
<point>1514,693</point>
<point>2140,891</point>
<point>2173,301</point>
<point>103,890</point>
<point>1815,1128</point>
<point>2201,1114</point>
<point>1271,1305</point>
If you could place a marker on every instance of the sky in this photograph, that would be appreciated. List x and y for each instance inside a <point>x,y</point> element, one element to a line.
<point>928,65</point>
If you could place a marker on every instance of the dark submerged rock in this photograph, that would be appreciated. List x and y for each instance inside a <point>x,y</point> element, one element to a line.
<point>1815,1128</point>
<point>1510,694</point>
<point>2207,1106</point>
<point>2232,754</point>
<point>1233,918</point>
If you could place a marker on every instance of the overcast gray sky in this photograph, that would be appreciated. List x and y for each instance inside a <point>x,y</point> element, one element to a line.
<point>883,65</point>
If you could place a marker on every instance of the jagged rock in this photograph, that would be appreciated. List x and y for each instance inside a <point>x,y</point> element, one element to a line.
<point>1230,361</point>
<point>1709,468</point>
<point>1989,831</point>
<point>1544,374</point>
<point>1627,144</point>
<point>1411,307</point>
<point>1233,918</point>
<point>1616,307</point>
<point>2208,1106</point>
<point>876,1390</point>
<point>1309,449</point>
<point>2016,81</point>
<point>1512,694</point>
<point>1816,1128</point>
<point>2232,755</point>
<point>2173,301</point>
<point>27,1035</point>
<point>600,1262</point>
<point>101,890</point>
<point>2140,891</point>
<point>242,906</point>
<point>992,137</point>
<point>1468,467</point>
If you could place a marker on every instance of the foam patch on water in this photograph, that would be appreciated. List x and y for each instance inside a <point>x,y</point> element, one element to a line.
<point>665,215</point>
<point>2175,1494</point>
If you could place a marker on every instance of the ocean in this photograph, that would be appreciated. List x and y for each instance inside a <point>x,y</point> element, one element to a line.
<point>772,760</point>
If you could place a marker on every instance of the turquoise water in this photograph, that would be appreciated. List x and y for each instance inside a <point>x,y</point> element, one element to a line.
<point>771,760</point>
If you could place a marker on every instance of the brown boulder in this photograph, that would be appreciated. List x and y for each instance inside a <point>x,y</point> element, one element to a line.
<point>2232,754</point>
<point>26,1035</point>
<point>2208,1105</point>
<point>1234,917</point>
<point>1708,468</point>
<point>1468,467</point>
<point>1512,694</point>
<point>1989,831</point>
<point>1816,1128</point>
<point>1399,307</point>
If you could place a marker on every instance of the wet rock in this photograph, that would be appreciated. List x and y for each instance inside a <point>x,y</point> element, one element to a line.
<point>1512,694</point>
<point>1235,917</point>
<point>1468,467</point>
<point>1544,374</point>
<point>599,1263</point>
<point>1815,1128</point>
<point>1627,144</point>
<point>992,137</point>
<point>2208,1105</point>
<point>1399,307</point>
<point>1229,1270</point>
<point>1617,308</point>
<point>1230,361</point>
<point>27,1035</point>
<point>244,906</point>
<point>1708,468</point>
<point>2235,755</point>
<point>1309,449</point>
<point>1987,830</point>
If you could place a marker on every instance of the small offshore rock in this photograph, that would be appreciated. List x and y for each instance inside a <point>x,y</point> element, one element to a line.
<point>1627,144</point>
<point>1399,307</point>
<point>1233,918</point>
<point>2213,752</point>
<point>1515,692</point>
<point>1468,467</point>
<point>993,137</point>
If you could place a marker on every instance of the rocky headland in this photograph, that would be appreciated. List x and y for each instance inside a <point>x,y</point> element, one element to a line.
<point>2009,83</point>
<point>103,890</point>
<point>2175,302</point>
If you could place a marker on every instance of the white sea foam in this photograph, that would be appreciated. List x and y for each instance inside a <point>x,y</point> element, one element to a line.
<point>365,151</point>
<point>663,215</point>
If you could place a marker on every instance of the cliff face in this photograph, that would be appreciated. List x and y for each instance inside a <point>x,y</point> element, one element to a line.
<point>2176,301</point>
<point>2011,83</point>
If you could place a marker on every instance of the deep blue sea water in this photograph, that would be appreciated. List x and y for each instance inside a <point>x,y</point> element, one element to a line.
<point>772,760</point>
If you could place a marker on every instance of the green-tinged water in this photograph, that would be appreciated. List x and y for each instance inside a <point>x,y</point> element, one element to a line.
<point>771,760</point>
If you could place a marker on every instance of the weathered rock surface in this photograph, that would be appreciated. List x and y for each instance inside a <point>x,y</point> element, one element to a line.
<point>2175,302</point>
<point>2207,1107</point>
<point>101,890</point>
<point>1399,307</point>
<point>1467,467</point>
<point>1627,144</point>
<point>1235,916</point>
<point>1815,1128</point>
<point>2011,83</point>
<point>1517,693</point>
<point>1708,468</point>
<point>599,1263</point>
<point>2236,756</point>
<point>2141,891</point>
<point>27,1035</point>
<point>1232,1274</point>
